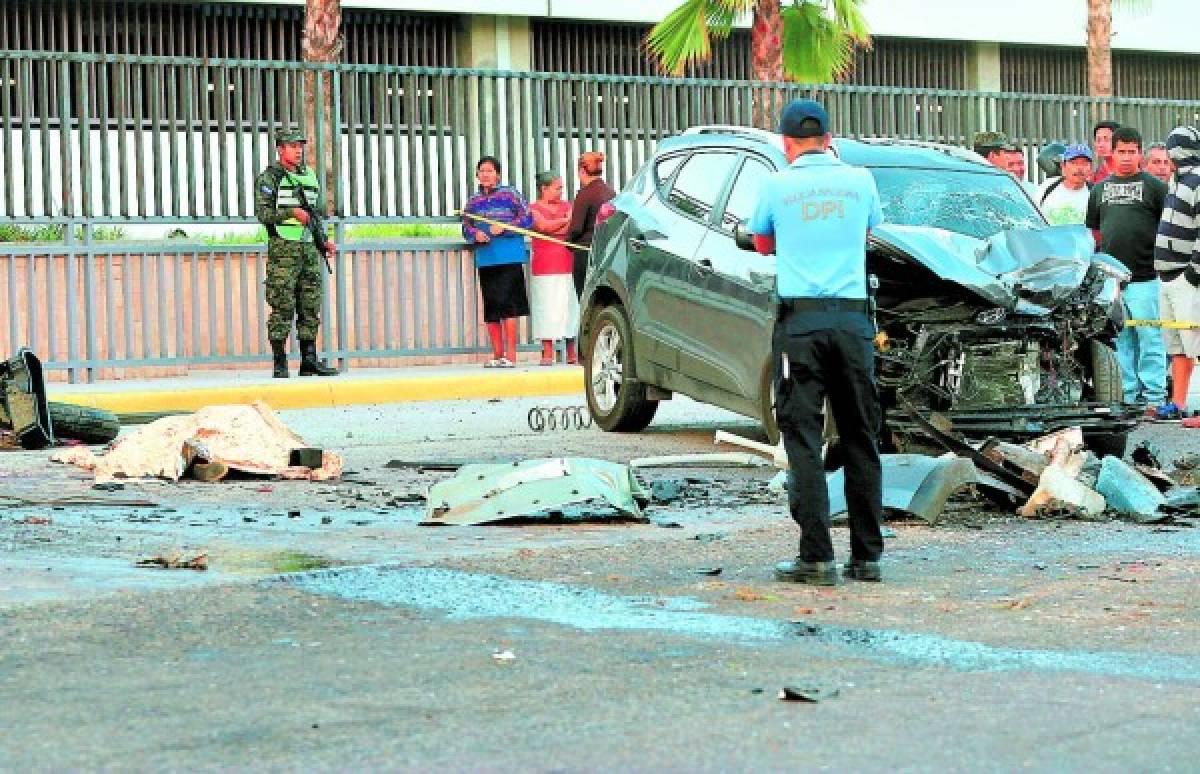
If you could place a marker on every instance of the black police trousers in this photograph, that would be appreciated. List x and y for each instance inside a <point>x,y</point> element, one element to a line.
<point>830,354</point>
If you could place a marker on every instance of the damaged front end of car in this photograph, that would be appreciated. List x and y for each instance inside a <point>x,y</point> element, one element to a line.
<point>1008,336</point>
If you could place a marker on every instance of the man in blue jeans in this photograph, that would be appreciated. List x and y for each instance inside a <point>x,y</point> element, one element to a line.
<point>1123,212</point>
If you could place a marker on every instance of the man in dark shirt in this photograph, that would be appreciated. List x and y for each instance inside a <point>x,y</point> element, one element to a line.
<point>1123,212</point>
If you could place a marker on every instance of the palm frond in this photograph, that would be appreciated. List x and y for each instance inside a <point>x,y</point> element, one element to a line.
<point>683,36</point>
<point>849,16</point>
<point>816,49</point>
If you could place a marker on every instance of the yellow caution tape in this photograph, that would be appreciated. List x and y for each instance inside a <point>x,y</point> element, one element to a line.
<point>1177,325</point>
<point>522,231</point>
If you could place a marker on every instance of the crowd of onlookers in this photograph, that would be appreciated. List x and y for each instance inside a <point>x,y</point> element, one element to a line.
<point>1141,205</point>
<point>496,221</point>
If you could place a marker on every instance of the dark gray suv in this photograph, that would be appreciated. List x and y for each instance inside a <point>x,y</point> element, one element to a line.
<point>987,317</point>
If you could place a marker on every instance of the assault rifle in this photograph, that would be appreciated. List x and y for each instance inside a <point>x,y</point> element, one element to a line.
<point>315,225</point>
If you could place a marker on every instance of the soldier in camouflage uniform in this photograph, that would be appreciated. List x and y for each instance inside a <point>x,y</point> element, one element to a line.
<point>293,283</point>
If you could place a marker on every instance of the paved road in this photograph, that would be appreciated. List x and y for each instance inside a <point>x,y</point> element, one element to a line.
<point>995,644</point>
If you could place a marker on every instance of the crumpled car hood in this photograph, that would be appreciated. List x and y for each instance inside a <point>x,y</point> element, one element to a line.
<point>1029,271</point>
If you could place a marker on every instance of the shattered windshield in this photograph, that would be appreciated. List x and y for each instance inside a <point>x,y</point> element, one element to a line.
<point>972,203</point>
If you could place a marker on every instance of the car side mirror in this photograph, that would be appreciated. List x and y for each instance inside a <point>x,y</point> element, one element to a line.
<point>742,237</point>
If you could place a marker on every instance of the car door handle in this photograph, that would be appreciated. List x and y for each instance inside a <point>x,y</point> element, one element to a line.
<point>637,244</point>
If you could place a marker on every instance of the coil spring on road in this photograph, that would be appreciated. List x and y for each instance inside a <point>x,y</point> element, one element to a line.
<point>544,419</point>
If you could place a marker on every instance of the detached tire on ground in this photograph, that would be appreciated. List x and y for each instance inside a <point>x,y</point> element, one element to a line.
<point>1106,388</point>
<point>80,423</point>
<point>616,399</point>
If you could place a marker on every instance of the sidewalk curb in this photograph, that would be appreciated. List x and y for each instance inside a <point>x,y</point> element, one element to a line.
<point>327,392</point>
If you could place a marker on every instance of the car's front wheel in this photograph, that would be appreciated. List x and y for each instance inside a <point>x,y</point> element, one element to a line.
<point>616,400</point>
<point>1106,388</point>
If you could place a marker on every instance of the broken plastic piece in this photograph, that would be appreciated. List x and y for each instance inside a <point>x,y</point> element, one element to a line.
<point>915,484</point>
<point>1128,491</point>
<point>1058,484</point>
<point>776,453</point>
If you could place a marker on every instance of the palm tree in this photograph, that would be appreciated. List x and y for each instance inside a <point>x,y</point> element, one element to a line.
<point>1099,42</point>
<point>322,43</point>
<point>811,41</point>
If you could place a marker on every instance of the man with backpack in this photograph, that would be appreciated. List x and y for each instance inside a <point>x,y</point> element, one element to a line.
<point>1064,200</point>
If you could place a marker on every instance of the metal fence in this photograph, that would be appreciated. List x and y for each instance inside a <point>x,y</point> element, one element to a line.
<point>137,138</point>
<point>129,139</point>
<point>98,309</point>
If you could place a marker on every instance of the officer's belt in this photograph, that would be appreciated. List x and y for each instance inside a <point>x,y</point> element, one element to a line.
<point>823,305</point>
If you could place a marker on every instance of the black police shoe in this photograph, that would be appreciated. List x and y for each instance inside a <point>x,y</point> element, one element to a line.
<point>812,573</point>
<point>862,570</point>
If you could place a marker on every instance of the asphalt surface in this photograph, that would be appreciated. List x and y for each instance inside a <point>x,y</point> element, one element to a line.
<point>995,643</point>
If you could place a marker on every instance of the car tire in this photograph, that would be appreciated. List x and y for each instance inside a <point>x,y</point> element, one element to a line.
<point>81,423</point>
<point>616,399</point>
<point>1106,388</point>
<point>1106,374</point>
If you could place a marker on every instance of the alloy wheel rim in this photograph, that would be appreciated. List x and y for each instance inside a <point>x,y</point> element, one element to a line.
<point>607,371</point>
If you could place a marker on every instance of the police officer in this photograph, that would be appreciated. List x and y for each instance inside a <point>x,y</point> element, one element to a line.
<point>816,215</point>
<point>293,283</point>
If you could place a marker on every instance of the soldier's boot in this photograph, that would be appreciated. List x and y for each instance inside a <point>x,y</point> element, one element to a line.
<point>309,365</point>
<point>279,355</point>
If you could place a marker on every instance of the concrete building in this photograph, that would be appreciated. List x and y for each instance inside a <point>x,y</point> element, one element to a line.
<point>1021,46</point>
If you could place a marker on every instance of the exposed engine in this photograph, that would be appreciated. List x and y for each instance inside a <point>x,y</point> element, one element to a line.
<point>946,367</point>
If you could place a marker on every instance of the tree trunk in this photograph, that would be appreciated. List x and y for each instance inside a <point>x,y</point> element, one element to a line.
<point>322,44</point>
<point>1099,48</point>
<point>766,51</point>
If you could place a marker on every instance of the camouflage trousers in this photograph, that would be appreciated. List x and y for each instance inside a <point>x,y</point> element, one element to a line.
<point>293,289</point>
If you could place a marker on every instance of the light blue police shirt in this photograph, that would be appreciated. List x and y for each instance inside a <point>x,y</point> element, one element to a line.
<point>819,210</point>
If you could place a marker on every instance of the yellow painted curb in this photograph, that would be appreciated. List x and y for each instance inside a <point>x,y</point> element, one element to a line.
<point>317,392</point>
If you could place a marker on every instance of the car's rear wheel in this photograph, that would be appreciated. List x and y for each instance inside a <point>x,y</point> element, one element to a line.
<point>616,399</point>
<point>1106,388</point>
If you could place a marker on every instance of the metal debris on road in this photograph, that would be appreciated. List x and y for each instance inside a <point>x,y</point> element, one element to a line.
<point>482,494</point>
<point>776,453</point>
<point>1129,492</point>
<point>810,694</point>
<point>175,562</point>
<point>666,490</point>
<point>733,460</point>
<point>913,484</point>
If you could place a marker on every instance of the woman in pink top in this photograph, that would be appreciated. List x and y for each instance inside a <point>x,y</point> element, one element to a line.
<point>555,304</point>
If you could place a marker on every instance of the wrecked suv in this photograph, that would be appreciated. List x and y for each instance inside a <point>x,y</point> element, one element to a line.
<point>990,322</point>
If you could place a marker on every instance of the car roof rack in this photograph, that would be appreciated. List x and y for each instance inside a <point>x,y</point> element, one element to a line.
<point>748,132</point>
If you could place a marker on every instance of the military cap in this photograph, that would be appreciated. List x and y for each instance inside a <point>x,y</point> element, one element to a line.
<point>986,142</point>
<point>289,134</point>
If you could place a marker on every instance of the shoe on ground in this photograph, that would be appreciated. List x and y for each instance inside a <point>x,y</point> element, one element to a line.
<point>812,573</point>
<point>1168,412</point>
<point>862,570</point>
